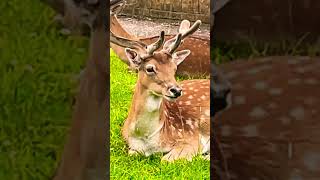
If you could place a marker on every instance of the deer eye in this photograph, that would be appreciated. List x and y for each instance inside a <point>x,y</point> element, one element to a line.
<point>150,69</point>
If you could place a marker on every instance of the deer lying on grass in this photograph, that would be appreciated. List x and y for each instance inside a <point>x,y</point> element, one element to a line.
<point>164,116</point>
<point>198,63</point>
<point>271,131</point>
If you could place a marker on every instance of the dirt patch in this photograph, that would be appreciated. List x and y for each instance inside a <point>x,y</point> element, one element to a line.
<point>151,27</point>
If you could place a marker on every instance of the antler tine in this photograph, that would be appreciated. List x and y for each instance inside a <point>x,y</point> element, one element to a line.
<point>127,43</point>
<point>176,44</point>
<point>114,2</point>
<point>156,45</point>
<point>184,32</point>
<point>191,30</point>
<point>116,6</point>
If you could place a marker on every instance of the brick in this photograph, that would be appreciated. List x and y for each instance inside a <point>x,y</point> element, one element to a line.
<point>137,12</point>
<point>176,5</point>
<point>157,4</point>
<point>190,17</point>
<point>176,15</point>
<point>203,18</point>
<point>204,6</point>
<point>190,6</point>
<point>146,12</point>
<point>159,14</point>
<point>167,7</point>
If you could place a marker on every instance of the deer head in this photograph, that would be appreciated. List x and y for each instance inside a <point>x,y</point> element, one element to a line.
<point>157,69</point>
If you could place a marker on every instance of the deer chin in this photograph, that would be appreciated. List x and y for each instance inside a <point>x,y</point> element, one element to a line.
<point>170,98</point>
<point>155,93</point>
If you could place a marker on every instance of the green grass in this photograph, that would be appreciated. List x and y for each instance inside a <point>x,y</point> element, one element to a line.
<point>124,166</point>
<point>37,80</point>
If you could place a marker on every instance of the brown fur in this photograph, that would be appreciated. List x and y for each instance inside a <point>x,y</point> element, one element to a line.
<point>271,130</point>
<point>181,123</point>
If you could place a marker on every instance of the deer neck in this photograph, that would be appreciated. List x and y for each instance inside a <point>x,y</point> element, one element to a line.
<point>144,116</point>
<point>88,135</point>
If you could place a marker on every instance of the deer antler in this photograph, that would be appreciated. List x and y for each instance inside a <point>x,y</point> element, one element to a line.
<point>124,42</point>
<point>174,46</point>
<point>184,31</point>
<point>134,44</point>
<point>156,45</point>
<point>116,6</point>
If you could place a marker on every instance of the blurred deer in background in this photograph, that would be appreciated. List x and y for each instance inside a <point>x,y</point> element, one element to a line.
<point>271,131</point>
<point>85,154</point>
<point>166,116</point>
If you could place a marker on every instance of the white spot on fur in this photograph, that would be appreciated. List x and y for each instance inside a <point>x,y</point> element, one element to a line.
<point>258,112</point>
<point>312,161</point>
<point>297,113</point>
<point>250,131</point>
<point>225,130</point>
<point>294,81</point>
<point>312,81</point>
<point>260,85</point>
<point>187,103</point>
<point>207,112</point>
<point>239,100</point>
<point>285,120</point>
<point>275,91</point>
<point>205,141</point>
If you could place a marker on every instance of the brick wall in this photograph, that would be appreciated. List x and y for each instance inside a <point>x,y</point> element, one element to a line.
<point>169,9</point>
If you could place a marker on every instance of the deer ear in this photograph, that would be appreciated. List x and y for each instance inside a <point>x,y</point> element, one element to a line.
<point>180,56</point>
<point>133,57</point>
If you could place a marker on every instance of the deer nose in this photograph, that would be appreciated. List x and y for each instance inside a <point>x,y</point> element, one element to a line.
<point>175,91</point>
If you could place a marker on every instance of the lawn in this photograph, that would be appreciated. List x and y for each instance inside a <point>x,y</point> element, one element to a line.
<point>139,167</point>
<point>38,69</point>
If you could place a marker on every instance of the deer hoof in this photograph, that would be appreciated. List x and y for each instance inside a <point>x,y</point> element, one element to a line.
<point>132,152</point>
<point>206,157</point>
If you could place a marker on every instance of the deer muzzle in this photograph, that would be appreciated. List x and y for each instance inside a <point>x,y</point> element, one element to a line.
<point>174,92</point>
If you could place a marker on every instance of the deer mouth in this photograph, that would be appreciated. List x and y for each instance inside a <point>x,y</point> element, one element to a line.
<point>170,98</point>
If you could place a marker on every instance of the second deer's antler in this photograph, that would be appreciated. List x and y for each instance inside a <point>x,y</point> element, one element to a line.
<point>184,31</point>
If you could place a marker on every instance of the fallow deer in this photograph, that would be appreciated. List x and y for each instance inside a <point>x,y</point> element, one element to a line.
<point>197,64</point>
<point>166,116</point>
<point>271,130</point>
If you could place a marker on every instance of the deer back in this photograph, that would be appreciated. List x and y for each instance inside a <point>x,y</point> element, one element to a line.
<point>188,117</point>
<point>271,130</point>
